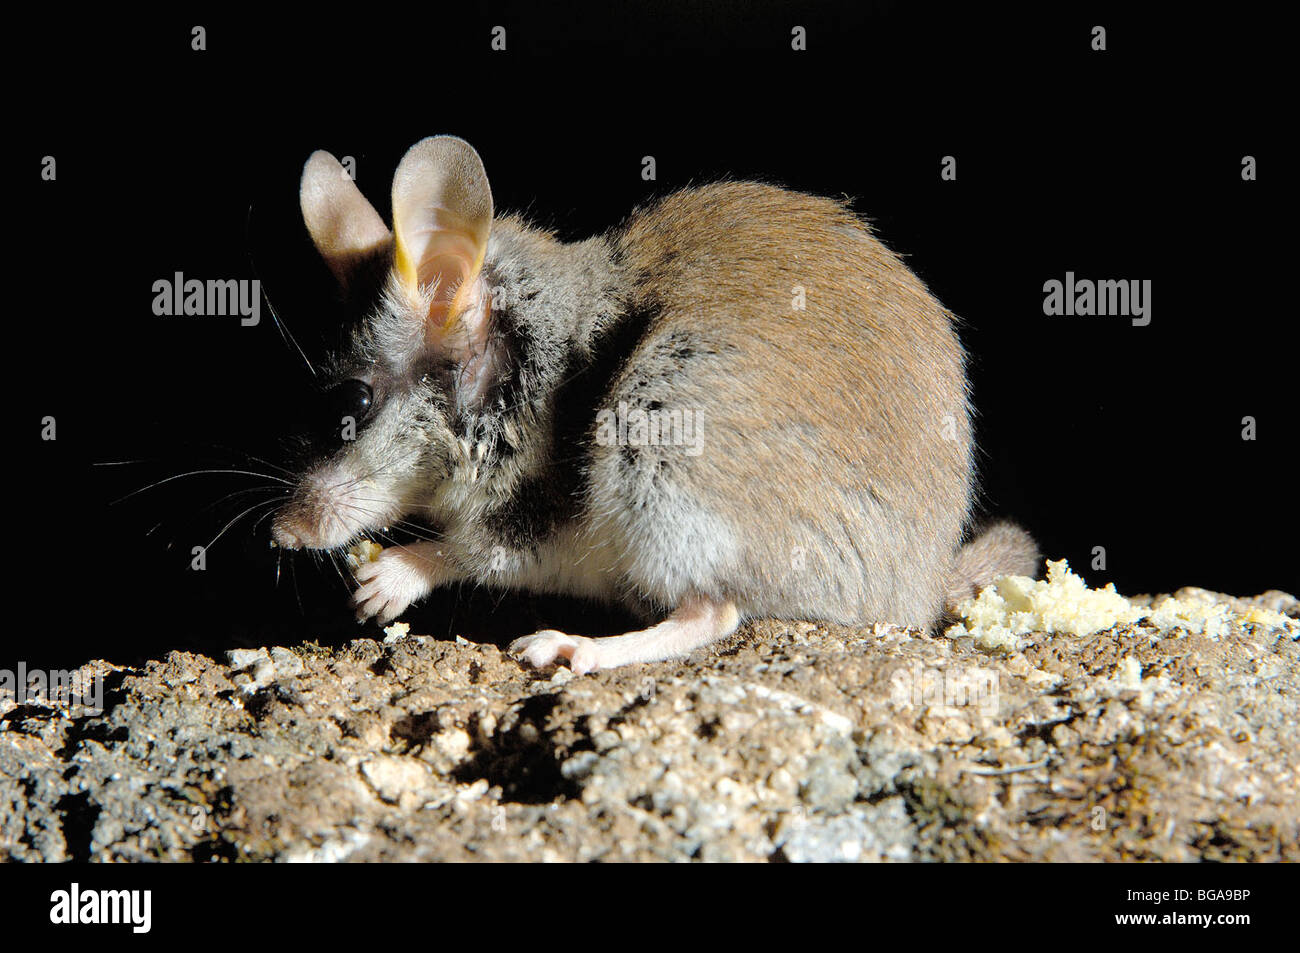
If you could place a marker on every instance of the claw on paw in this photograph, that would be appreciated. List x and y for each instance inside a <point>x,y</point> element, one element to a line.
<point>388,585</point>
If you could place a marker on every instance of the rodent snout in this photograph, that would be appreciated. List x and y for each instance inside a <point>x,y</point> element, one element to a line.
<point>328,510</point>
<point>283,533</point>
<point>310,520</point>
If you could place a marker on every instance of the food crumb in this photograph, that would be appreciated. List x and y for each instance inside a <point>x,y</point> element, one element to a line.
<point>1014,606</point>
<point>396,631</point>
<point>365,551</point>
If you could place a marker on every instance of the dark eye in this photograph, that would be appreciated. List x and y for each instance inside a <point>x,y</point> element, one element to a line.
<point>350,399</point>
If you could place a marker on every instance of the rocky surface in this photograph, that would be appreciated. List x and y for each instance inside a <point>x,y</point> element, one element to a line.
<point>789,742</point>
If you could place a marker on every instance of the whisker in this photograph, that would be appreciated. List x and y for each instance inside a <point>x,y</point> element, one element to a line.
<point>353,481</point>
<point>255,458</point>
<point>414,529</point>
<point>213,505</point>
<point>237,519</point>
<point>255,489</point>
<point>262,519</point>
<point>283,328</point>
<point>333,558</point>
<point>210,446</point>
<point>411,552</point>
<point>293,573</point>
<point>181,476</point>
<point>421,532</point>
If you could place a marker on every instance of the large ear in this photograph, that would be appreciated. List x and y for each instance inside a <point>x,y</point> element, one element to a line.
<point>442,215</point>
<point>345,227</point>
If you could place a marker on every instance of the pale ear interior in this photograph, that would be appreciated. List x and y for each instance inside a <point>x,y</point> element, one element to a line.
<point>440,259</point>
<point>344,226</point>
<point>442,217</point>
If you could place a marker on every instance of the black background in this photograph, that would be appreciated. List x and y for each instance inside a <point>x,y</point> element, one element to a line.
<point>1119,164</point>
<point>900,904</point>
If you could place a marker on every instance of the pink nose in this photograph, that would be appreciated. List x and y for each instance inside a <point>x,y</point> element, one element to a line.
<point>285,533</point>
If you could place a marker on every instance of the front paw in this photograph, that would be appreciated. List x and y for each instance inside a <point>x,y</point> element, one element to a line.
<point>389,584</point>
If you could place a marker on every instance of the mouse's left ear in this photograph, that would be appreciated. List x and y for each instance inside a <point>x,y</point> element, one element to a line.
<point>442,215</point>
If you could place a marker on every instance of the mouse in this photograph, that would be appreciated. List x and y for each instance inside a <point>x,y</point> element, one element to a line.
<point>736,404</point>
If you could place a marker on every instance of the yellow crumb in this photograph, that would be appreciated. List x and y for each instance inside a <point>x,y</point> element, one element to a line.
<point>365,551</point>
<point>1017,605</point>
